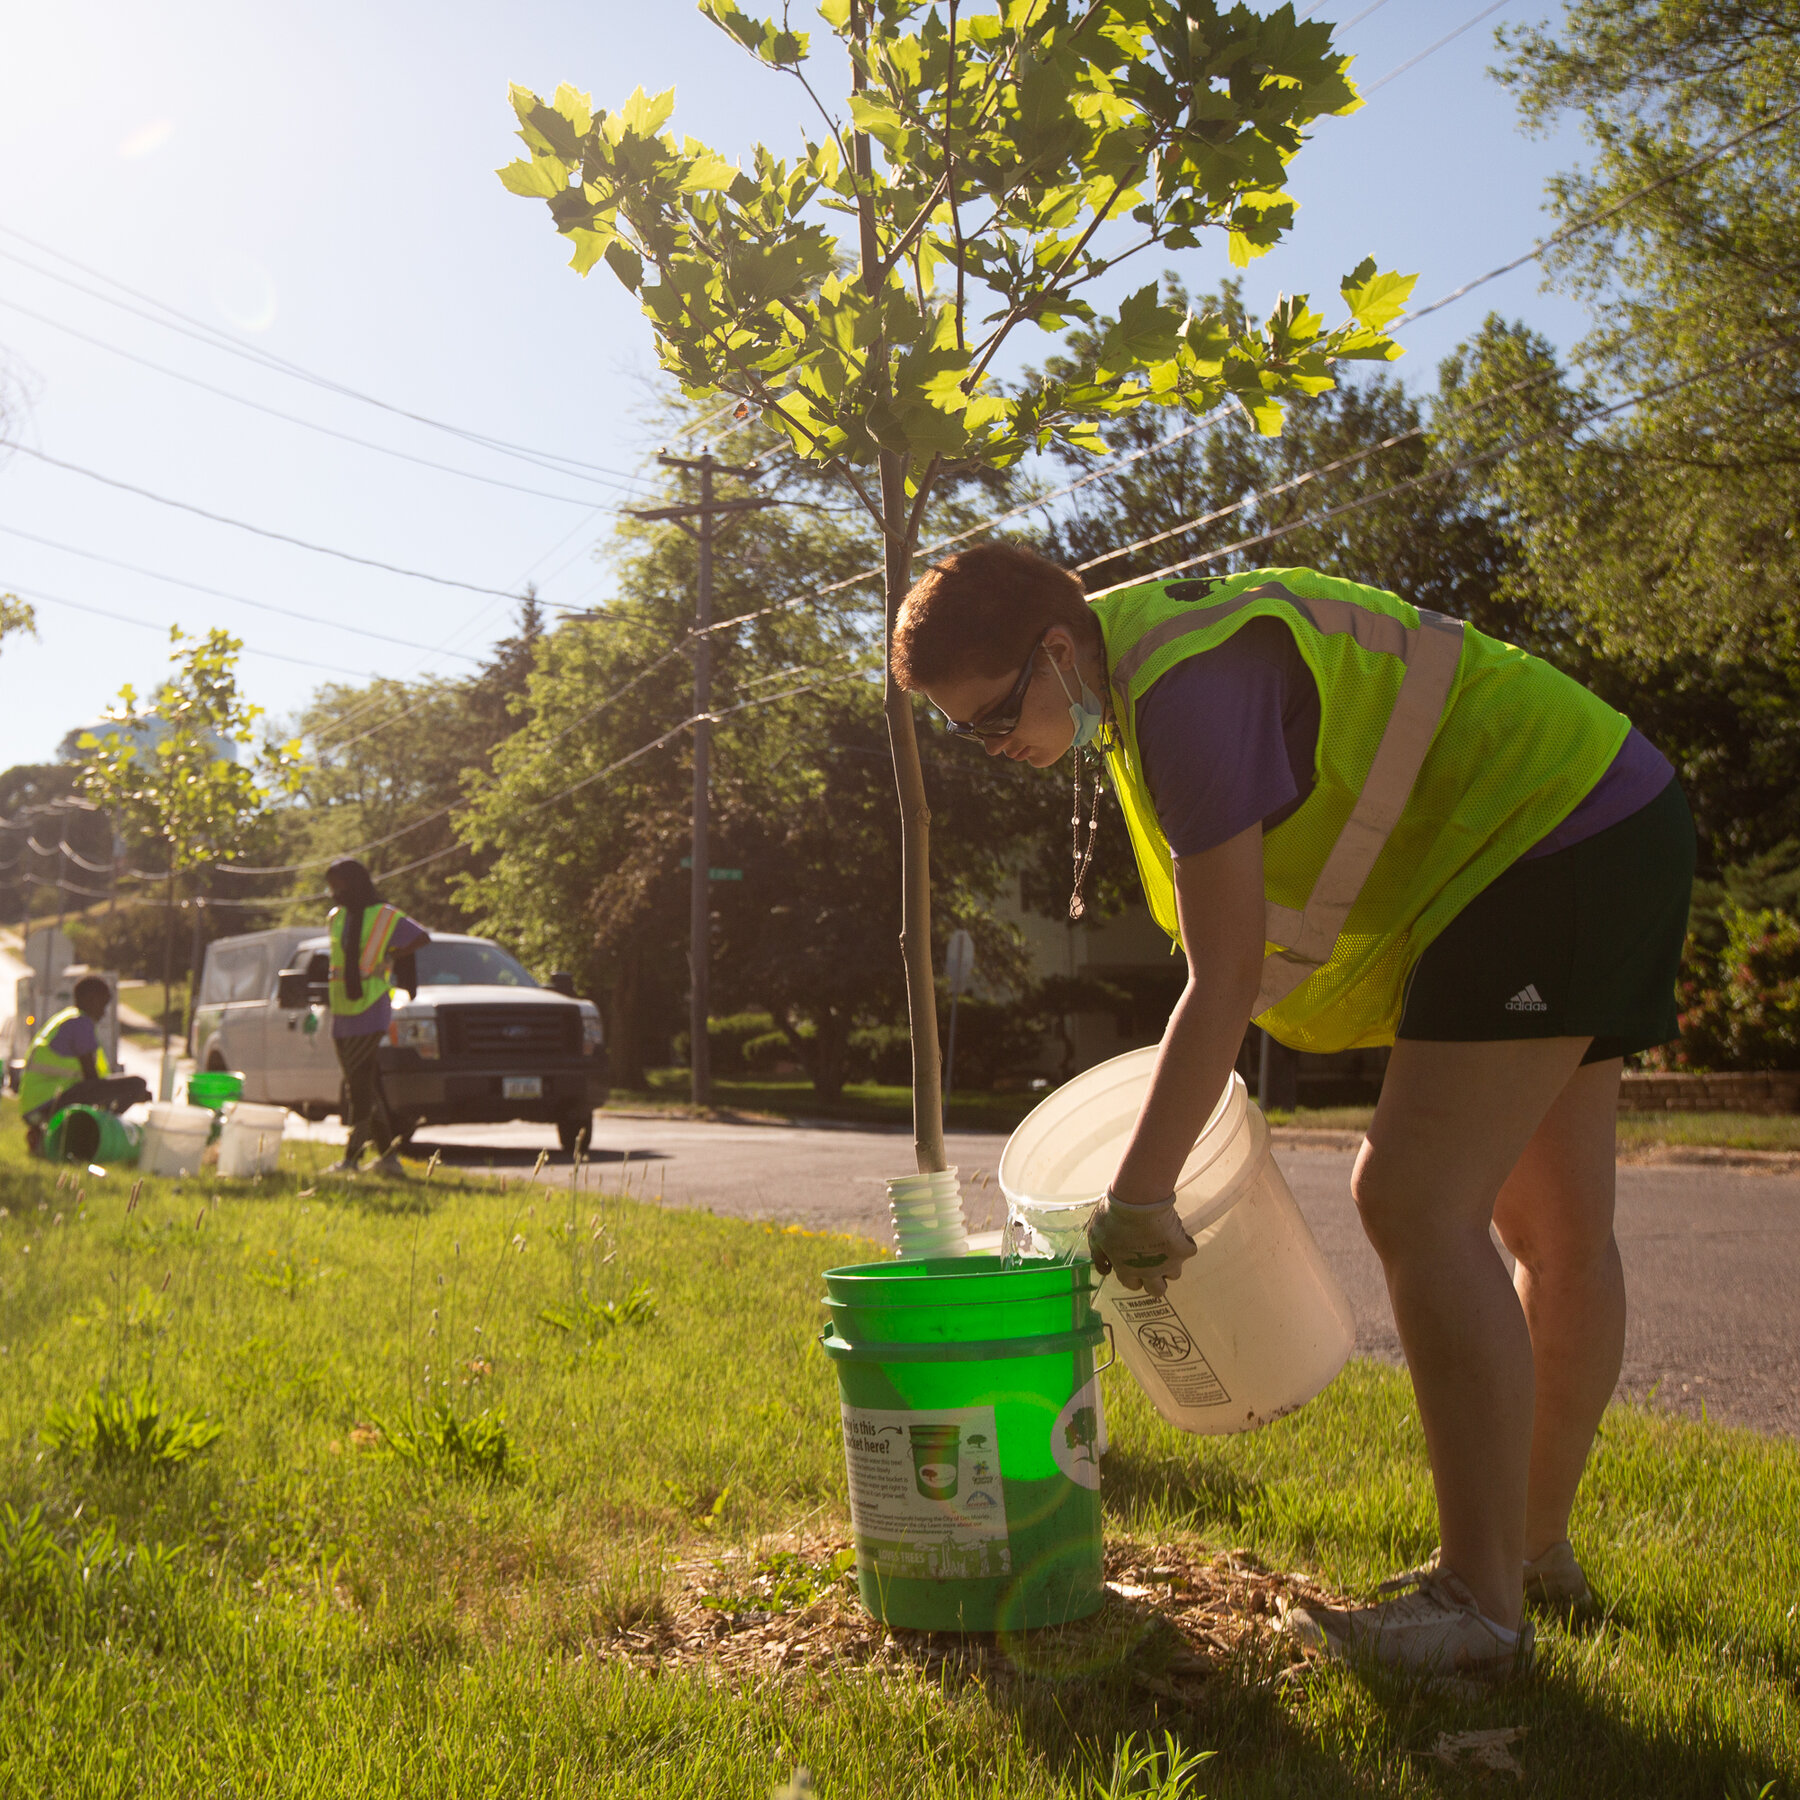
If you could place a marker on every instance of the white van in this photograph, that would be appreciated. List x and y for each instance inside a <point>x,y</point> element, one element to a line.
<point>480,1042</point>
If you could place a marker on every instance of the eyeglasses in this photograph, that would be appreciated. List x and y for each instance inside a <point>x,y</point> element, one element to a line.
<point>1001,720</point>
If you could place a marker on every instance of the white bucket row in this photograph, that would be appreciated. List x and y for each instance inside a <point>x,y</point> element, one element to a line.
<point>176,1136</point>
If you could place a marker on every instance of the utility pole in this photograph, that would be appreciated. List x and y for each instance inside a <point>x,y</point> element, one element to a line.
<point>700,530</point>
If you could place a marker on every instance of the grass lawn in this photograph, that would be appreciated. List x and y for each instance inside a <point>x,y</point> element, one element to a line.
<point>443,1545</point>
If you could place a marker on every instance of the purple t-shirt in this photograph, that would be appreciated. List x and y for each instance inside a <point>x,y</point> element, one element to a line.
<point>1229,737</point>
<point>408,935</point>
<point>76,1038</point>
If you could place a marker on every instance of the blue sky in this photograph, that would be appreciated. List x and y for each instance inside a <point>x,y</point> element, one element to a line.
<point>316,182</point>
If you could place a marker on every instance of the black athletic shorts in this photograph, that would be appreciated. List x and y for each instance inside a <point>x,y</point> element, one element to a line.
<point>1585,942</point>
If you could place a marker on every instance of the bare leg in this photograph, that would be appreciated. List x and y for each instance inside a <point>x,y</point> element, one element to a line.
<point>1453,1121</point>
<point>1555,1214</point>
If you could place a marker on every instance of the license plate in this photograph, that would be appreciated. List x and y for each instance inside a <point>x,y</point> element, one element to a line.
<point>522,1087</point>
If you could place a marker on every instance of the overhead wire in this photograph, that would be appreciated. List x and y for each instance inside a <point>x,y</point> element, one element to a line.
<point>268,606</point>
<point>190,326</point>
<point>263,531</point>
<point>275,412</point>
<point>1412,62</point>
<point>101,612</point>
<point>1456,468</point>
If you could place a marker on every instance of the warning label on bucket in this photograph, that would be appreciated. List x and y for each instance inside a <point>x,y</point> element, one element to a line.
<point>926,1499</point>
<point>1174,1357</point>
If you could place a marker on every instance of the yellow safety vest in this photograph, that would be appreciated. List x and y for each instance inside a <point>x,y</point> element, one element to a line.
<point>379,925</point>
<point>48,1072</point>
<point>1443,755</point>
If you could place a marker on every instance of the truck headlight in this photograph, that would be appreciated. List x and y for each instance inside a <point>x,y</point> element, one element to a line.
<point>591,1034</point>
<point>420,1034</point>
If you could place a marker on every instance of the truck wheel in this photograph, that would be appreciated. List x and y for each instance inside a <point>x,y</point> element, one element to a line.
<point>574,1131</point>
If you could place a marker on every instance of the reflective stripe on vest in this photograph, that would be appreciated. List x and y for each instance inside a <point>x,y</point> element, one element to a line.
<point>1460,750</point>
<point>379,925</point>
<point>47,1071</point>
<point>1431,651</point>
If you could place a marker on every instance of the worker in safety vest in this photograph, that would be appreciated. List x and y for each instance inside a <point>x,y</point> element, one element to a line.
<point>1369,824</point>
<point>368,940</point>
<point>66,1065</point>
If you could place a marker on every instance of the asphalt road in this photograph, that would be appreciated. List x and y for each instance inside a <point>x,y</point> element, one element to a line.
<point>1712,1254</point>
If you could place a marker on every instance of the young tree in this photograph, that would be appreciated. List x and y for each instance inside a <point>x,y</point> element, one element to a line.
<point>993,165</point>
<point>167,772</point>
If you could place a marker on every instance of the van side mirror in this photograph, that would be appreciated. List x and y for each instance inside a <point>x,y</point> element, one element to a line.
<point>294,992</point>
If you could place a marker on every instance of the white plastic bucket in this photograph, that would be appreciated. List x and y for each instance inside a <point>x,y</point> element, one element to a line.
<point>928,1215</point>
<point>174,1139</point>
<point>250,1143</point>
<point>1255,1324</point>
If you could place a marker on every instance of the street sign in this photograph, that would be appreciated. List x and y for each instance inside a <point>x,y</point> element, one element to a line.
<point>959,961</point>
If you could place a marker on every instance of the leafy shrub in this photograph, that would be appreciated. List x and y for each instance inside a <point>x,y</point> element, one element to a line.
<point>1740,1003</point>
<point>480,1447</point>
<point>114,1428</point>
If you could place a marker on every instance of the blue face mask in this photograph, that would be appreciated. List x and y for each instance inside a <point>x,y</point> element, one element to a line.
<point>1087,714</point>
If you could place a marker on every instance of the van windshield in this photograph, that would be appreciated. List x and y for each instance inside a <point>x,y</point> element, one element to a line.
<point>471,963</point>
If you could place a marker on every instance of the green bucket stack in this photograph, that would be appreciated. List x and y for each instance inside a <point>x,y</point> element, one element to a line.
<point>972,1435</point>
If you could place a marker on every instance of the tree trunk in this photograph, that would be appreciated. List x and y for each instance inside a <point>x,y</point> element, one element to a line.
<point>915,848</point>
<point>625,1039</point>
<point>828,1056</point>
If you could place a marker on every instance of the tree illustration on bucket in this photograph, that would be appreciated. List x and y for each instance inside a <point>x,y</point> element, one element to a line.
<point>990,164</point>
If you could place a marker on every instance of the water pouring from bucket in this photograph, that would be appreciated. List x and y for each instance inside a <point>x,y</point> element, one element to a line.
<point>1255,1324</point>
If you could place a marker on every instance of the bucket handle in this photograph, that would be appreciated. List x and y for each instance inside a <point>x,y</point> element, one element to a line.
<point>1112,1349</point>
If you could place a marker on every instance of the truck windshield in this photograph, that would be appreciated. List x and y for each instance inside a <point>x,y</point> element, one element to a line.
<point>471,963</point>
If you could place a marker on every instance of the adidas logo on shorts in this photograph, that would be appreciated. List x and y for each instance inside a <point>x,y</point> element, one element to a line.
<point>1528,999</point>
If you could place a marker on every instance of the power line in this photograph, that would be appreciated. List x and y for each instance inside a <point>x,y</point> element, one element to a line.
<point>275,412</point>
<point>1575,226</point>
<point>262,531</point>
<point>101,612</point>
<point>215,339</point>
<point>288,612</point>
<point>1412,62</point>
<point>1456,468</point>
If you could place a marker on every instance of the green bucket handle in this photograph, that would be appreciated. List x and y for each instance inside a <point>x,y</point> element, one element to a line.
<point>993,1350</point>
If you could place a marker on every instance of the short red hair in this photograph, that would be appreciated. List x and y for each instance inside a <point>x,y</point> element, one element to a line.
<point>980,611</point>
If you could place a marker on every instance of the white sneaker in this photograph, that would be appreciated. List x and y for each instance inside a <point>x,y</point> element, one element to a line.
<point>1434,1629</point>
<point>389,1166</point>
<point>344,1166</point>
<point>1557,1580</point>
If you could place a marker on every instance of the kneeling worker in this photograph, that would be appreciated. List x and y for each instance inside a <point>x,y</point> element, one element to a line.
<point>67,1067</point>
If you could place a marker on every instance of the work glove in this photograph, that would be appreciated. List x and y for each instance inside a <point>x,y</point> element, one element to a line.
<point>1144,1245</point>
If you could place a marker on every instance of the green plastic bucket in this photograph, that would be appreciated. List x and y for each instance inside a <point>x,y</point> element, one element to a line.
<point>214,1088</point>
<point>971,1438</point>
<point>90,1134</point>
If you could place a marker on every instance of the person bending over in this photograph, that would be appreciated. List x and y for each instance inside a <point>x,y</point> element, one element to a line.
<point>1367,823</point>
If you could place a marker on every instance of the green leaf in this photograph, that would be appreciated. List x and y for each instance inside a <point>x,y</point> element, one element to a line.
<point>590,246</point>
<point>645,116</point>
<point>625,263</point>
<point>1375,300</point>
<point>778,48</point>
<point>708,172</point>
<point>531,179</point>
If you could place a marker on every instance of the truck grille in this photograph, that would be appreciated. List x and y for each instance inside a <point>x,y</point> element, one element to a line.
<point>510,1033</point>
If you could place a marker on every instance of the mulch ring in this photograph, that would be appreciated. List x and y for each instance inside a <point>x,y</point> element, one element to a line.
<point>1175,1614</point>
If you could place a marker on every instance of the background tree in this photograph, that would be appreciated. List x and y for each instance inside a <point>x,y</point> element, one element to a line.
<point>995,164</point>
<point>391,760</point>
<point>592,879</point>
<point>1671,524</point>
<point>16,616</point>
<point>167,776</point>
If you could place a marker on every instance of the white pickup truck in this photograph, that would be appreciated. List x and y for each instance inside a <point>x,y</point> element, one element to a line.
<point>480,1041</point>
